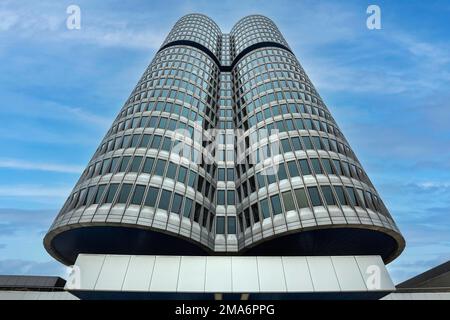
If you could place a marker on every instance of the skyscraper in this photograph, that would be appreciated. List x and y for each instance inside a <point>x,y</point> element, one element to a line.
<point>224,147</point>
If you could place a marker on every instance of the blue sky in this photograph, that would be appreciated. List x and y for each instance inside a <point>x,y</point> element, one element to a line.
<point>388,90</point>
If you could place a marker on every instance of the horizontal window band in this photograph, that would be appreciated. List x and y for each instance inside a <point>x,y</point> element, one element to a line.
<point>213,56</point>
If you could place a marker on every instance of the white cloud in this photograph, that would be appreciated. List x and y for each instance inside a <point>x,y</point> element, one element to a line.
<point>7,20</point>
<point>30,267</point>
<point>52,110</point>
<point>37,191</point>
<point>111,36</point>
<point>48,23</point>
<point>435,53</point>
<point>39,166</point>
<point>433,185</point>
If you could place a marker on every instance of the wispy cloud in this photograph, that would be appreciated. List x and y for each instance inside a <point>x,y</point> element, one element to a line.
<point>404,269</point>
<point>116,36</point>
<point>99,27</point>
<point>29,267</point>
<point>35,221</point>
<point>26,165</point>
<point>434,185</point>
<point>53,110</point>
<point>31,190</point>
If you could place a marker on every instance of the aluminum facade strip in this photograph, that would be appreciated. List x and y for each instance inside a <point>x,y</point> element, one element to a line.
<point>224,274</point>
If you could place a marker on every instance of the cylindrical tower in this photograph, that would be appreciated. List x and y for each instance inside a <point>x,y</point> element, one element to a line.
<point>154,187</point>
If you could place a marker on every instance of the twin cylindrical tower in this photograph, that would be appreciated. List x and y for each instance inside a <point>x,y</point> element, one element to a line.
<point>224,147</point>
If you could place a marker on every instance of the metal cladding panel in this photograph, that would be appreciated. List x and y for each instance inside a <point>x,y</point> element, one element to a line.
<point>165,273</point>
<point>112,273</point>
<point>373,273</point>
<point>244,274</point>
<point>298,277</point>
<point>348,274</point>
<point>221,275</point>
<point>271,274</point>
<point>139,273</point>
<point>323,275</point>
<point>87,270</point>
<point>192,274</point>
<point>218,274</point>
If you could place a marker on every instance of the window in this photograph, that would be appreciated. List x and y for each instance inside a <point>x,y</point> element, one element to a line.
<point>165,200</point>
<point>264,204</point>
<point>247,218</point>
<point>111,192</point>
<point>176,203</point>
<point>221,197</point>
<point>317,143</point>
<point>341,196</point>
<point>89,196</point>
<point>337,165</point>
<point>138,194</point>
<point>145,140</point>
<point>124,193</point>
<point>296,143</point>
<point>361,198</point>
<point>327,166</point>
<point>352,196</point>
<point>286,146</point>
<point>135,164</point>
<point>160,166</point>
<point>113,167</point>
<point>221,175</point>
<point>307,143</point>
<point>192,176</point>
<point>182,174</point>
<point>156,142</point>
<point>255,213</point>
<point>328,195</point>
<point>281,171</point>
<point>369,201</point>
<point>126,141</point>
<point>205,217</point>
<point>315,196</point>
<point>304,166</point>
<point>293,170</point>
<point>302,200</point>
<point>152,195</point>
<point>220,225</point>
<point>288,201</point>
<point>167,142</point>
<point>100,190</point>
<point>346,167</point>
<point>134,141</point>
<point>97,168</point>
<point>230,198</point>
<point>231,225</point>
<point>105,166</point>
<point>309,124</point>
<point>316,165</point>
<point>148,165</point>
<point>171,170</point>
<point>124,164</point>
<point>230,174</point>
<point>187,208</point>
<point>276,204</point>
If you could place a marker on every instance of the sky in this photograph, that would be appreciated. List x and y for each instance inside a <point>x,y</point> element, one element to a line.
<point>388,90</point>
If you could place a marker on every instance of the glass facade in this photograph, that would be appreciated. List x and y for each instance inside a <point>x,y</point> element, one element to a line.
<point>243,90</point>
